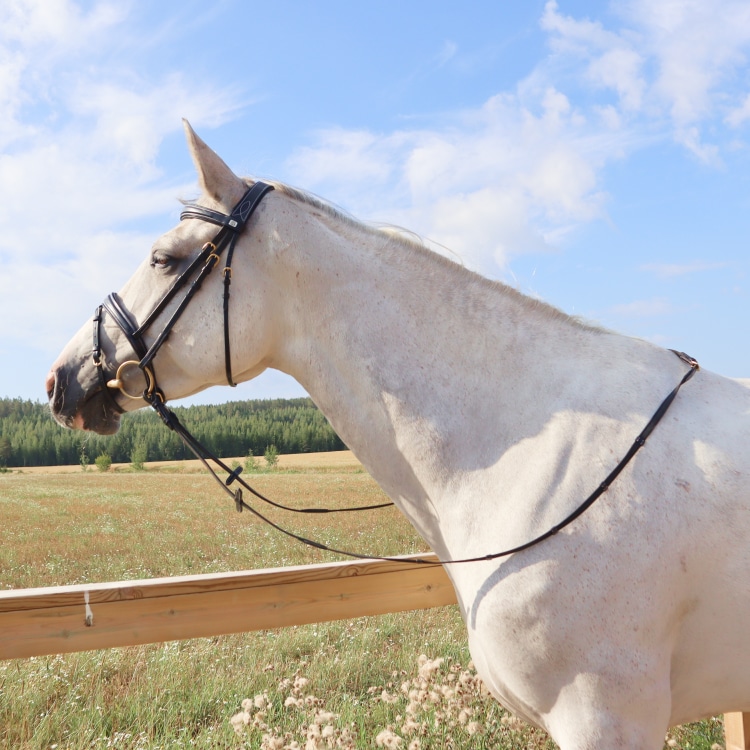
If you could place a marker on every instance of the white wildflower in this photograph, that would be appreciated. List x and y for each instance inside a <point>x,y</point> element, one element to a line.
<point>240,721</point>
<point>323,717</point>
<point>270,742</point>
<point>387,738</point>
<point>410,726</point>
<point>428,666</point>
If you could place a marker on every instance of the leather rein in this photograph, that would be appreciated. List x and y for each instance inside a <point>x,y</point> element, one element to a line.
<point>209,256</point>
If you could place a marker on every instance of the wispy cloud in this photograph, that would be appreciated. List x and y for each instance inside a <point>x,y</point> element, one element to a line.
<point>82,124</point>
<point>489,183</point>
<point>645,308</point>
<point>668,270</point>
<point>524,170</point>
<point>674,62</point>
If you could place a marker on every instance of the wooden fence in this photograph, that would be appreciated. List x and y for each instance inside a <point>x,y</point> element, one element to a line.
<point>62,619</point>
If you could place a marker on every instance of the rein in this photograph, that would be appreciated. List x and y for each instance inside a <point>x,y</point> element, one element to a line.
<point>204,455</point>
<point>231,227</point>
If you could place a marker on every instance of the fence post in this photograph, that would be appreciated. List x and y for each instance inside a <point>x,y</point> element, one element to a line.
<point>737,731</point>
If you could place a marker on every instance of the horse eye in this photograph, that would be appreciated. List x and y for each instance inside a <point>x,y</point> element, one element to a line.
<point>161,261</point>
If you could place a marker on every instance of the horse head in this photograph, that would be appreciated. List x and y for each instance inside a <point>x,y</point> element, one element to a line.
<point>146,342</point>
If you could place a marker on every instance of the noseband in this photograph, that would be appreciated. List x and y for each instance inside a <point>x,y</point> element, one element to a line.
<point>191,278</point>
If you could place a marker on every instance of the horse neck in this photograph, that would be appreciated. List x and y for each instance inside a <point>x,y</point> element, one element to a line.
<point>413,359</point>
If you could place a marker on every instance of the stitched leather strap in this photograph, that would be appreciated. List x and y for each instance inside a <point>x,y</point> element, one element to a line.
<point>96,354</point>
<point>233,223</point>
<point>202,265</point>
<point>227,283</point>
<point>194,211</point>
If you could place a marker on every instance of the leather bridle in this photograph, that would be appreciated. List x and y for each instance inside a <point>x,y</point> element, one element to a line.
<point>231,227</point>
<point>190,279</point>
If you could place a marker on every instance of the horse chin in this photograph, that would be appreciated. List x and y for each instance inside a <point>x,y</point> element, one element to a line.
<point>91,414</point>
<point>103,422</point>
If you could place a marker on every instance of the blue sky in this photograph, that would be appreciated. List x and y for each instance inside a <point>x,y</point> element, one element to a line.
<point>592,154</point>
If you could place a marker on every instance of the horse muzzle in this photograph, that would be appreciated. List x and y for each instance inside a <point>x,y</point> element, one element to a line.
<point>80,406</point>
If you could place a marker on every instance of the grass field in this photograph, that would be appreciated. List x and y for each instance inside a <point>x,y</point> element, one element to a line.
<point>401,680</point>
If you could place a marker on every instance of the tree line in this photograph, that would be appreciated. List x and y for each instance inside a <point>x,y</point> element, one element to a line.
<point>30,437</point>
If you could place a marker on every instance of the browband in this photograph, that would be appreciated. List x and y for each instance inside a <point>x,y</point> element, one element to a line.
<point>240,213</point>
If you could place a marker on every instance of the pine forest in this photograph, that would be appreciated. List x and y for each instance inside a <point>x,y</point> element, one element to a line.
<point>30,437</point>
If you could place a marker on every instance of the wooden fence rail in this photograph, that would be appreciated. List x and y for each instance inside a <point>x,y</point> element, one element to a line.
<point>57,620</point>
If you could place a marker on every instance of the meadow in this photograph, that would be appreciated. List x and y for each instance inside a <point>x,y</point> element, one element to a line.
<point>402,680</point>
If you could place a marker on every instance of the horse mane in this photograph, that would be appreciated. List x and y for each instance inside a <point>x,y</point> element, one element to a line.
<point>413,242</point>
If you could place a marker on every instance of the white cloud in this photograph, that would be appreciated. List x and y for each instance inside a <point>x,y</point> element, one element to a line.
<point>61,294</point>
<point>53,25</point>
<point>521,172</point>
<point>739,115</point>
<point>673,61</point>
<point>697,45</point>
<point>132,118</point>
<point>79,139</point>
<point>39,41</point>
<point>489,183</point>
<point>348,156</point>
<point>667,270</point>
<point>610,60</point>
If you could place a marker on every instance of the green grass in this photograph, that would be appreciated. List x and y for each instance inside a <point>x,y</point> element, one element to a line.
<point>355,683</point>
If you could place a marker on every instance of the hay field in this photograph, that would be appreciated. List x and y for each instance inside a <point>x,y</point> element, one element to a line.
<point>343,460</point>
<point>401,680</point>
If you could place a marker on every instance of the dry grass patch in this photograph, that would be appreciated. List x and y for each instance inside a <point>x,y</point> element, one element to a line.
<point>88,526</point>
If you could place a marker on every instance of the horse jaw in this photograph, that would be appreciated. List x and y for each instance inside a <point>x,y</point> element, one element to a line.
<point>216,179</point>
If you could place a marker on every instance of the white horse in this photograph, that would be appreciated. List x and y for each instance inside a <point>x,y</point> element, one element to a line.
<point>487,417</point>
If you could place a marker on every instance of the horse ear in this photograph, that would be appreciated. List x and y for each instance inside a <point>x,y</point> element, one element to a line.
<point>214,176</point>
